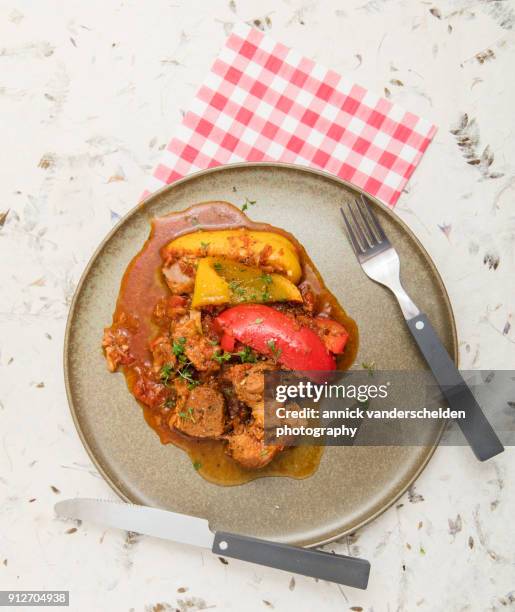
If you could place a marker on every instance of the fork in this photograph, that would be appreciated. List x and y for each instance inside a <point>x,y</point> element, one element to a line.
<point>381,263</point>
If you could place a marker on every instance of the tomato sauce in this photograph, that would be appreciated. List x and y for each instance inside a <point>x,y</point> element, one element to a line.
<point>143,286</point>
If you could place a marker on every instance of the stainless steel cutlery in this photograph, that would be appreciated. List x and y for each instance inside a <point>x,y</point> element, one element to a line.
<point>380,262</point>
<point>349,571</point>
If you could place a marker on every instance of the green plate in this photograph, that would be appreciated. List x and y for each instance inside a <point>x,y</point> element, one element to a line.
<point>352,485</point>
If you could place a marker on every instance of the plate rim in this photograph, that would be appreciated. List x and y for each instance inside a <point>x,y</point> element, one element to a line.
<point>234,166</point>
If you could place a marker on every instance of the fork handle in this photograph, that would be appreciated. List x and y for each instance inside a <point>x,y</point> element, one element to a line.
<point>475,426</point>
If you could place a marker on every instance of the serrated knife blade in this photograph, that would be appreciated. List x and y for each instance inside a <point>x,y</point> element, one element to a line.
<point>141,519</point>
<point>350,571</point>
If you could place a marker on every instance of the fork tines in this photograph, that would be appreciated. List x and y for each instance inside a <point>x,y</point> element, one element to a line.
<point>364,230</point>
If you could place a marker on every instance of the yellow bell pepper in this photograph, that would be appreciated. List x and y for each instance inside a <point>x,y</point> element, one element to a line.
<point>223,281</point>
<point>210,288</point>
<point>249,246</point>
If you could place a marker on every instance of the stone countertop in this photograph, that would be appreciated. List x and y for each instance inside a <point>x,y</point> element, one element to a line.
<point>89,95</point>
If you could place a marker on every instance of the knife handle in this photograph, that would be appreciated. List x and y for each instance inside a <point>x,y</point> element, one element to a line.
<point>349,571</point>
<point>475,426</point>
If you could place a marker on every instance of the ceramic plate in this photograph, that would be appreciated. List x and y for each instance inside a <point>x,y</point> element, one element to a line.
<point>352,485</point>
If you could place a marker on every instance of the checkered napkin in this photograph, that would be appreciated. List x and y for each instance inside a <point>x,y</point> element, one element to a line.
<point>262,101</point>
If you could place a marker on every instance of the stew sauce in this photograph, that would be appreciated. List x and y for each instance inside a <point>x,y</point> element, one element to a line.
<point>141,288</point>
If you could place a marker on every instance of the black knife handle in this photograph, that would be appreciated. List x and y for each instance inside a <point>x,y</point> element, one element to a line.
<point>308,562</point>
<point>475,426</point>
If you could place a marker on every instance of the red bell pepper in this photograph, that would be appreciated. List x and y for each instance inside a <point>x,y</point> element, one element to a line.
<point>227,342</point>
<point>276,335</point>
<point>333,334</point>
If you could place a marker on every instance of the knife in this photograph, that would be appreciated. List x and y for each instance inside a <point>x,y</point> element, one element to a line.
<point>349,571</point>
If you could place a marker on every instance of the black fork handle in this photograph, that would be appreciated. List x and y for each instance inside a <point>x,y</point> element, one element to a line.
<point>475,426</point>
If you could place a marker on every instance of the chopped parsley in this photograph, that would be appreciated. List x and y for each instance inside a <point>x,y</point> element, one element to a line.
<point>370,366</point>
<point>187,415</point>
<point>239,292</point>
<point>197,465</point>
<point>184,370</point>
<point>276,352</point>
<point>166,372</point>
<point>236,287</point>
<point>218,266</point>
<point>221,356</point>
<point>178,347</point>
<point>247,203</point>
<point>258,321</point>
<point>187,375</point>
<point>246,355</point>
<point>267,280</point>
<point>265,296</point>
<point>204,246</point>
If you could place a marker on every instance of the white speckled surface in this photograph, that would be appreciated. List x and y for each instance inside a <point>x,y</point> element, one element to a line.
<point>89,94</point>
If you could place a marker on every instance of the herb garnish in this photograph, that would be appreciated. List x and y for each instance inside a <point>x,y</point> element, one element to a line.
<point>184,371</point>
<point>166,372</point>
<point>197,465</point>
<point>370,366</point>
<point>178,347</point>
<point>246,355</point>
<point>236,288</point>
<point>218,266</point>
<point>265,296</point>
<point>276,352</point>
<point>188,415</point>
<point>247,203</point>
<point>187,374</point>
<point>221,356</point>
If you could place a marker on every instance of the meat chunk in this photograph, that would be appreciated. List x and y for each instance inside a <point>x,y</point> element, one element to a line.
<point>179,275</point>
<point>162,353</point>
<point>246,446</point>
<point>308,297</point>
<point>246,442</point>
<point>170,309</point>
<point>116,340</point>
<point>116,347</point>
<point>197,348</point>
<point>203,413</point>
<point>248,381</point>
<point>177,399</point>
<point>147,390</point>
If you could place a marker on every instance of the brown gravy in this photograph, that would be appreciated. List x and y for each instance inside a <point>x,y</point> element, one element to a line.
<point>142,286</point>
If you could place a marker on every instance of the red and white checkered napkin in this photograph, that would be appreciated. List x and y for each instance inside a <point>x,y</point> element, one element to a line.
<point>264,102</point>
